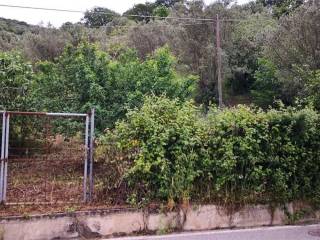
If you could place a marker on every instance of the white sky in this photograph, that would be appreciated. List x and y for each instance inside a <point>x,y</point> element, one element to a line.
<point>57,18</point>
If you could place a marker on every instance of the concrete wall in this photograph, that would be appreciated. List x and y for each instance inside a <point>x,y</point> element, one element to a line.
<point>133,221</point>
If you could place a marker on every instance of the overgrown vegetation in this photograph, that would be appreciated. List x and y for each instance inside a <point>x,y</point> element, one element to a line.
<point>170,150</point>
<point>278,34</point>
<point>153,83</point>
<point>84,77</point>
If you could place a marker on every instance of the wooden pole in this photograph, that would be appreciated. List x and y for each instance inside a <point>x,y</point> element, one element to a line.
<point>219,64</point>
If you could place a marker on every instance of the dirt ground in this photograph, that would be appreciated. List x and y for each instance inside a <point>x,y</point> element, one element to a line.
<point>48,181</point>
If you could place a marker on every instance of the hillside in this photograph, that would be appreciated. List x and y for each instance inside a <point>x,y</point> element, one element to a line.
<point>16,27</point>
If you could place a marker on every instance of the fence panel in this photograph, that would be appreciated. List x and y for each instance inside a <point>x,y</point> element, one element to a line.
<point>47,158</point>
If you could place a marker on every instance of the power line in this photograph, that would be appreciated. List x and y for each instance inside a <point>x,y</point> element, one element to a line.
<point>168,25</point>
<point>125,15</point>
<point>41,8</point>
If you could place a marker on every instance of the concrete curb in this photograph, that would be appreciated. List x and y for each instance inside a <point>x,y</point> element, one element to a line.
<point>121,222</point>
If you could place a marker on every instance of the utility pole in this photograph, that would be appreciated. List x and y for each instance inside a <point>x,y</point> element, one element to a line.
<point>218,38</point>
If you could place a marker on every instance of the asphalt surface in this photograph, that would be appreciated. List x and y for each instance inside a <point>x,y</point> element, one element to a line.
<point>307,232</point>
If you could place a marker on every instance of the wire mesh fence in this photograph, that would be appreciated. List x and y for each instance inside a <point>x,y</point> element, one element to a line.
<point>48,158</point>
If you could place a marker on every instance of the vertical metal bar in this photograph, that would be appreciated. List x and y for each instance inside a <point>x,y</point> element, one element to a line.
<point>6,158</point>
<point>85,174</point>
<point>2,153</point>
<point>91,154</point>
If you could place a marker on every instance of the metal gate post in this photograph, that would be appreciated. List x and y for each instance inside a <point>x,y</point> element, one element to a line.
<point>91,154</point>
<point>3,135</point>
<point>85,174</point>
<point>6,156</point>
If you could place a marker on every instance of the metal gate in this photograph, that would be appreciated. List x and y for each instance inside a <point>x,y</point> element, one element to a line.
<point>45,158</point>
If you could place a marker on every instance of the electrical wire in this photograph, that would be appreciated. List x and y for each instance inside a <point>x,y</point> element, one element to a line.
<point>125,15</point>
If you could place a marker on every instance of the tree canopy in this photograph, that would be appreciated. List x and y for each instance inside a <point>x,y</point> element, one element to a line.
<point>84,77</point>
<point>99,16</point>
<point>269,52</point>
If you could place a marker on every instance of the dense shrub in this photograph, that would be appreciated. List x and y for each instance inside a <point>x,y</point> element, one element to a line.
<point>15,80</point>
<point>84,77</point>
<point>168,150</point>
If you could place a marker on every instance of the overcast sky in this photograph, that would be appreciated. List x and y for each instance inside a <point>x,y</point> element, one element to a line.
<point>57,18</point>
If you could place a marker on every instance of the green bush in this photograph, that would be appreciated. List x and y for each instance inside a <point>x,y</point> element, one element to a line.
<point>167,136</point>
<point>171,151</point>
<point>85,77</point>
<point>15,81</point>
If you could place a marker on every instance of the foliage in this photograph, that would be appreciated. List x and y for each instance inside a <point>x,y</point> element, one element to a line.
<point>46,44</point>
<point>313,87</point>
<point>292,47</point>
<point>266,88</point>
<point>158,8</point>
<point>167,3</point>
<point>139,11</point>
<point>15,81</point>
<point>99,16</point>
<point>85,77</point>
<point>288,40</point>
<point>161,11</point>
<point>247,45</point>
<point>14,26</point>
<point>239,155</point>
<point>165,132</point>
<point>167,148</point>
<point>282,7</point>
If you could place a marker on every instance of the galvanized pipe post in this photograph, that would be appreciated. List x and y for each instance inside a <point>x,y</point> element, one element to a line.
<point>3,137</point>
<point>85,174</point>
<point>6,156</point>
<point>91,154</point>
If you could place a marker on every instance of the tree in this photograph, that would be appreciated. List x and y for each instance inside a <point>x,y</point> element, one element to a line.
<point>194,43</point>
<point>158,8</point>
<point>266,88</point>
<point>99,16</point>
<point>248,40</point>
<point>312,89</point>
<point>15,81</point>
<point>161,11</point>
<point>140,11</point>
<point>293,48</point>
<point>46,44</point>
<point>85,77</point>
<point>282,7</point>
<point>167,3</point>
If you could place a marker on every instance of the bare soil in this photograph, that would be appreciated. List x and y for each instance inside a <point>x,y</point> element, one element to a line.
<point>49,181</point>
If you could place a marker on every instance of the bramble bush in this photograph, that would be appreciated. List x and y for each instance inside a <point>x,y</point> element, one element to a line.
<point>170,150</point>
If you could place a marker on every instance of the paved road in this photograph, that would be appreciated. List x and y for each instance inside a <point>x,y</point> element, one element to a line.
<point>308,232</point>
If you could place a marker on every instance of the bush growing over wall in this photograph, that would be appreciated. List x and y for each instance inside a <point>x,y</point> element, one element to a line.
<point>170,150</point>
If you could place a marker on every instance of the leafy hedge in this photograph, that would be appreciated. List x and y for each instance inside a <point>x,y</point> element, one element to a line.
<point>170,150</point>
